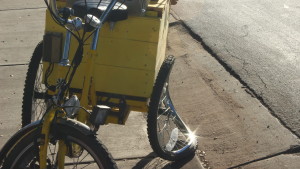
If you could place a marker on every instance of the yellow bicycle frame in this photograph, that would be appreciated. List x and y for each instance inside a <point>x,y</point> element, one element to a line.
<point>45,137</point>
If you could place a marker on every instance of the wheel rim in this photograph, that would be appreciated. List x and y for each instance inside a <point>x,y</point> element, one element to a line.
<point>173,135</point>
<point>39,103</point>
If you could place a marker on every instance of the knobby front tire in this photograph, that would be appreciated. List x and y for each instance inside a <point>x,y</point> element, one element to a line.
<point>88,152</point>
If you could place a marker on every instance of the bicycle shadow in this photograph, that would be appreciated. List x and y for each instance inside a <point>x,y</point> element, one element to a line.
<point>152,161</point>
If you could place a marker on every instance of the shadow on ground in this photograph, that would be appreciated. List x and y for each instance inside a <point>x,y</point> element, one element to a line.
<point>151,161</point>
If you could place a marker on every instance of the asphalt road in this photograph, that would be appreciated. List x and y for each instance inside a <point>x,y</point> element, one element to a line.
<point>259,42</point>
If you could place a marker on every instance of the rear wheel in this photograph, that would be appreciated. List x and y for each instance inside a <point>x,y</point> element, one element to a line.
<point>169,136</point>
<point>34,102</point>
<point>88,151</point>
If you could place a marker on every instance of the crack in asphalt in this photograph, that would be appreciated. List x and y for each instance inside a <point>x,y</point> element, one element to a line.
<point>244,62</point>
<point>292,150</point>
<point>238,58</point>
<point>262,81</point>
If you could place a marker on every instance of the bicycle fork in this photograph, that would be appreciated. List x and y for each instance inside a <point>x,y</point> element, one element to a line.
<point>45,139</point>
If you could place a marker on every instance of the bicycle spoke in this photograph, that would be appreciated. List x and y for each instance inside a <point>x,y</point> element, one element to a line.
<point>163,114</point>
<point>80,162</point>
<point>53,154</point>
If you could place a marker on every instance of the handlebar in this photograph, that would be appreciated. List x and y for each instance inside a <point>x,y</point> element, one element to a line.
<point>89,19</point>
<point>77,23</point>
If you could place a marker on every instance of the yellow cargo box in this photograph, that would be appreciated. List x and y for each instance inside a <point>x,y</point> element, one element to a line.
<point>128,57</point>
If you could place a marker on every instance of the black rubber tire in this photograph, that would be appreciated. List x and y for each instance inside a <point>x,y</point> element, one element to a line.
<point>26,151</point>
<point>161,80</point>
<point>6,148</point>
<point>30,81</point>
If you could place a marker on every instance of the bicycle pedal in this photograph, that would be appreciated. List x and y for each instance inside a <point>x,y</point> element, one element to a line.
<point>99,115</point>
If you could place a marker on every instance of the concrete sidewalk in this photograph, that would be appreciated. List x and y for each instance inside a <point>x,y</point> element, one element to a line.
<point>22,27</point>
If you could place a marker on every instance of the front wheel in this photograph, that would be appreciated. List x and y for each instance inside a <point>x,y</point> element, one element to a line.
<point>83,151</point>
<point>169,136</point>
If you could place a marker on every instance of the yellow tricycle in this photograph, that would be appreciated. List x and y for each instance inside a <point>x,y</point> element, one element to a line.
<point>98,61</point>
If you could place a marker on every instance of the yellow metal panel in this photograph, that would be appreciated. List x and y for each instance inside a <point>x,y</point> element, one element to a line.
<point>124,81</point>
<point>138,106</point>
<point>152,13</point>
<point>110,79</point>
<point>127,53</point>
<point>134,28</point>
